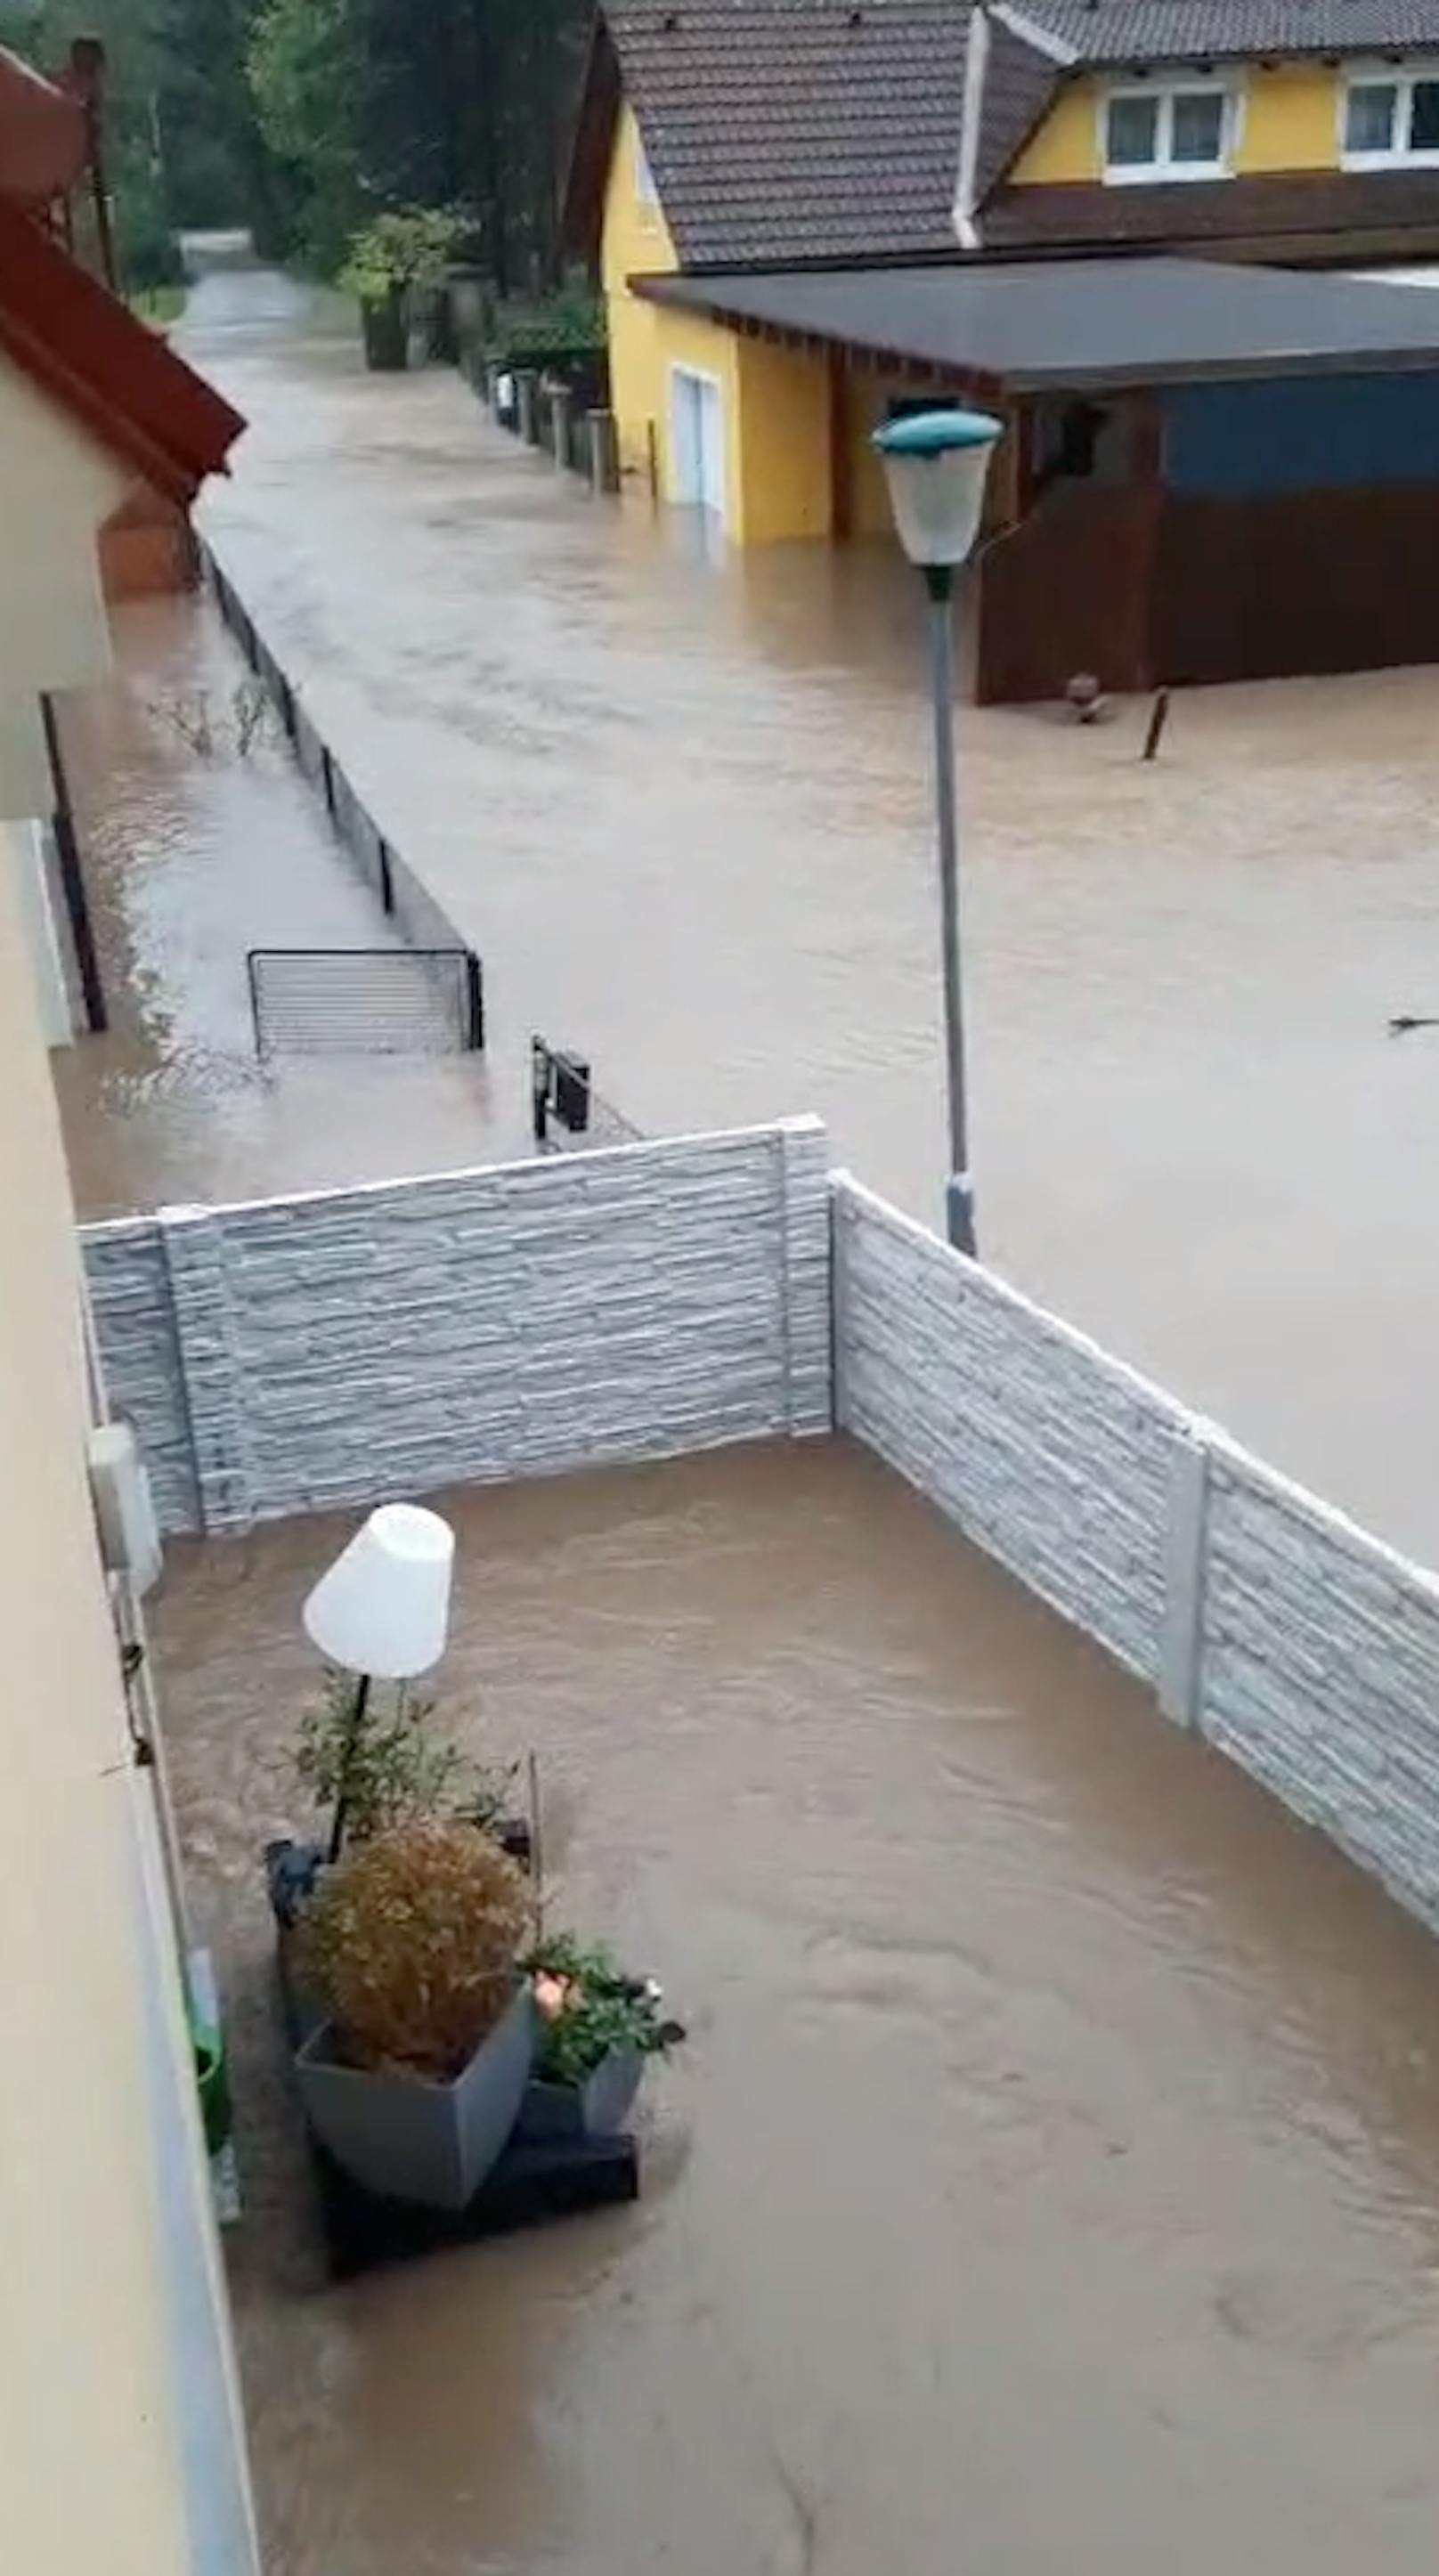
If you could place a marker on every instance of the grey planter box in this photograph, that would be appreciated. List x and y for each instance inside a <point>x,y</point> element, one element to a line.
<point>410,2140</point>
<point>595,2109</point>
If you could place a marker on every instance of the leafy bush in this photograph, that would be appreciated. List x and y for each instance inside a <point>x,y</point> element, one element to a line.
<point>409,248</point>
<point>567,324</point>
<point>411,1945</point>
<point>588,2005</point>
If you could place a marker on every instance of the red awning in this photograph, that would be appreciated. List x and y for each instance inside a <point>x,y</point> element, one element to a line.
<point>44,135</point>
<point>87,349</point>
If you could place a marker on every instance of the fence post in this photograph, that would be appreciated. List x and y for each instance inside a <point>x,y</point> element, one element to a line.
<point>210,1377</point>
<point>527,409</point>
<point>1185,1548</point>
<point>604,451</point>
<point>474,1002</point>
<point>560,424</point>
<point>804,1256</point>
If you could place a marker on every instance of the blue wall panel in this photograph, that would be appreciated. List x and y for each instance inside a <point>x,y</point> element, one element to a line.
<point>1301,433</point>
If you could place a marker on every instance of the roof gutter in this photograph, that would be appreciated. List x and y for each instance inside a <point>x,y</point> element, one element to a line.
<point>971,114</point>
<point>1039,39</point>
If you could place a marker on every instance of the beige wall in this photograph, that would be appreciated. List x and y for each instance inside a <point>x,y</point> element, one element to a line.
<point>92,2382</point>
<point>57,487</point>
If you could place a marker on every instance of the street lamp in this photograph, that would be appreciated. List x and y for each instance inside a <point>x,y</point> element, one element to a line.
<point>382,1613</point>
<point>936,463</point>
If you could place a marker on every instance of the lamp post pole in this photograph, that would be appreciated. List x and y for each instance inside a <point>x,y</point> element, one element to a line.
<point>959,1188</point>
<point>936,463</point>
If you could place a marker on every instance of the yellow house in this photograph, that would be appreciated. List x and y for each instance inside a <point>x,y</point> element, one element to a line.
<point>806,214</point>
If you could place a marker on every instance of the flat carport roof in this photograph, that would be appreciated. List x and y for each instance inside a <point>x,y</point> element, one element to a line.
<point>1085,323</point>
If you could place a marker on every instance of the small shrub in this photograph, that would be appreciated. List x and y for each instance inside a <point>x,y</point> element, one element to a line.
<point>588,2005</point>
<point>411,1945</point>
<point>411,247</point>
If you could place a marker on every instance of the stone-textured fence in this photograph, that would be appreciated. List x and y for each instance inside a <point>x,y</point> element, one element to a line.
<point>343,1348</point>
<point>359,1345</point>
<point>1269,1624</point>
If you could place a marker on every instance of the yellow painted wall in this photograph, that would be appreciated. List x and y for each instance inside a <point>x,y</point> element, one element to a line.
<point>783,442</point>
<point>634,242</point>
<point>1290,122</point>
<point>1066,145</point>
<point>775,400</point>
<point>1291,119</point>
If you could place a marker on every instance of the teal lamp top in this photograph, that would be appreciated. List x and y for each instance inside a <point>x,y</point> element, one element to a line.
<point>935,433</point>
<point>935,463</point>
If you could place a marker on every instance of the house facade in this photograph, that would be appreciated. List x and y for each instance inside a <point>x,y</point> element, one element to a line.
<point>1127,228</point>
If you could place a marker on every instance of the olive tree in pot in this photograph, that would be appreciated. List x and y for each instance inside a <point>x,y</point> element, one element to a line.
<point>412,1943</point>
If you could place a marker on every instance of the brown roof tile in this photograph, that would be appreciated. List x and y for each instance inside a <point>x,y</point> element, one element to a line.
<point>781,131</point>
<point>1148,31</point>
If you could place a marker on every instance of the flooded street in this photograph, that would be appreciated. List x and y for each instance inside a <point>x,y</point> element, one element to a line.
<point>682,807</point>
<point>196,848</point>
<point>1050,2186</point>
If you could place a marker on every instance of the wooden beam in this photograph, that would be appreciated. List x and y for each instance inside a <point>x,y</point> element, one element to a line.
<point>841,475</point>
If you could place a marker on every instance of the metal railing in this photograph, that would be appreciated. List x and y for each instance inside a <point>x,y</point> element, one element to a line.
<point>366,1001</point>
<point>568,1113</point>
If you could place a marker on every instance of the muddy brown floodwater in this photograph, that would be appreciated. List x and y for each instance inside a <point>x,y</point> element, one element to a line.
<point>1051,2184</point>
<point>193,854</point>
<point>682,805</point>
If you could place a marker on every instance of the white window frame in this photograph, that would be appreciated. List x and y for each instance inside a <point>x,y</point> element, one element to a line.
<point>1161,94</point>
<point>1402,78</point>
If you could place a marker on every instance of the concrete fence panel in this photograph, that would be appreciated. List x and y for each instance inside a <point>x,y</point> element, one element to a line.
<point>1320,1671</point>
<point>128,1282</point>
<point>1298,1645</point>
<point>1054,1458</point>
<point>354,1346</point>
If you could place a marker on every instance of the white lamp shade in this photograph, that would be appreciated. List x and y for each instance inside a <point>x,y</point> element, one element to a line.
<point>384,1606</point>
<point>936,464</point>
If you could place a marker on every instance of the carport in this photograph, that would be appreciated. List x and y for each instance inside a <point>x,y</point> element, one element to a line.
<point>1209,472</point>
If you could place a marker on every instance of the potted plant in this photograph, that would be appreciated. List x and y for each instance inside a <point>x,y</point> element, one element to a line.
<point>396,269</point>
<point>596,2027</point>
<point>389,1770</point>
<point>411,1943</point>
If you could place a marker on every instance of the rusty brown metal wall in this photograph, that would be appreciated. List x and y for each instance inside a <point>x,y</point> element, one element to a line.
<point>1069,590</point>
<point>1275,585</point>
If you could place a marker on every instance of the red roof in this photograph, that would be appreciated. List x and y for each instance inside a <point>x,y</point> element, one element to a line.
<point>88,350</point>
<point>44,135</point>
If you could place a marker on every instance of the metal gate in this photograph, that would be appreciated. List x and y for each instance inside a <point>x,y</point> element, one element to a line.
<point>366,1001</point>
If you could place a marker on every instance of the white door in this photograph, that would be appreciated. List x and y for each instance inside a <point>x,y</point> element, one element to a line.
<point>697,441</point>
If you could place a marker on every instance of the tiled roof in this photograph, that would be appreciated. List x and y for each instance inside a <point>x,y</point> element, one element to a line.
<point>1018,86</point>
<point>1129,31</point>
<point>780,131</point>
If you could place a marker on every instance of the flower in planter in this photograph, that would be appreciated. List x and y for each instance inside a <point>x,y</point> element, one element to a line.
<point>591,2009</point>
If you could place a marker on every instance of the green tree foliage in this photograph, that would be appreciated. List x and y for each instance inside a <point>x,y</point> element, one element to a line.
<point>374,104</point>
<point>307,118</point>
<point>181,136</point>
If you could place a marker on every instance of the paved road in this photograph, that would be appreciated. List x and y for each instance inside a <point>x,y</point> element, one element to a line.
<point>682,806</point>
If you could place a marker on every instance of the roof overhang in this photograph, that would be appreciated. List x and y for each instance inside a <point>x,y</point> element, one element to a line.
<point>91,354</point>
<point>1088,324</point>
